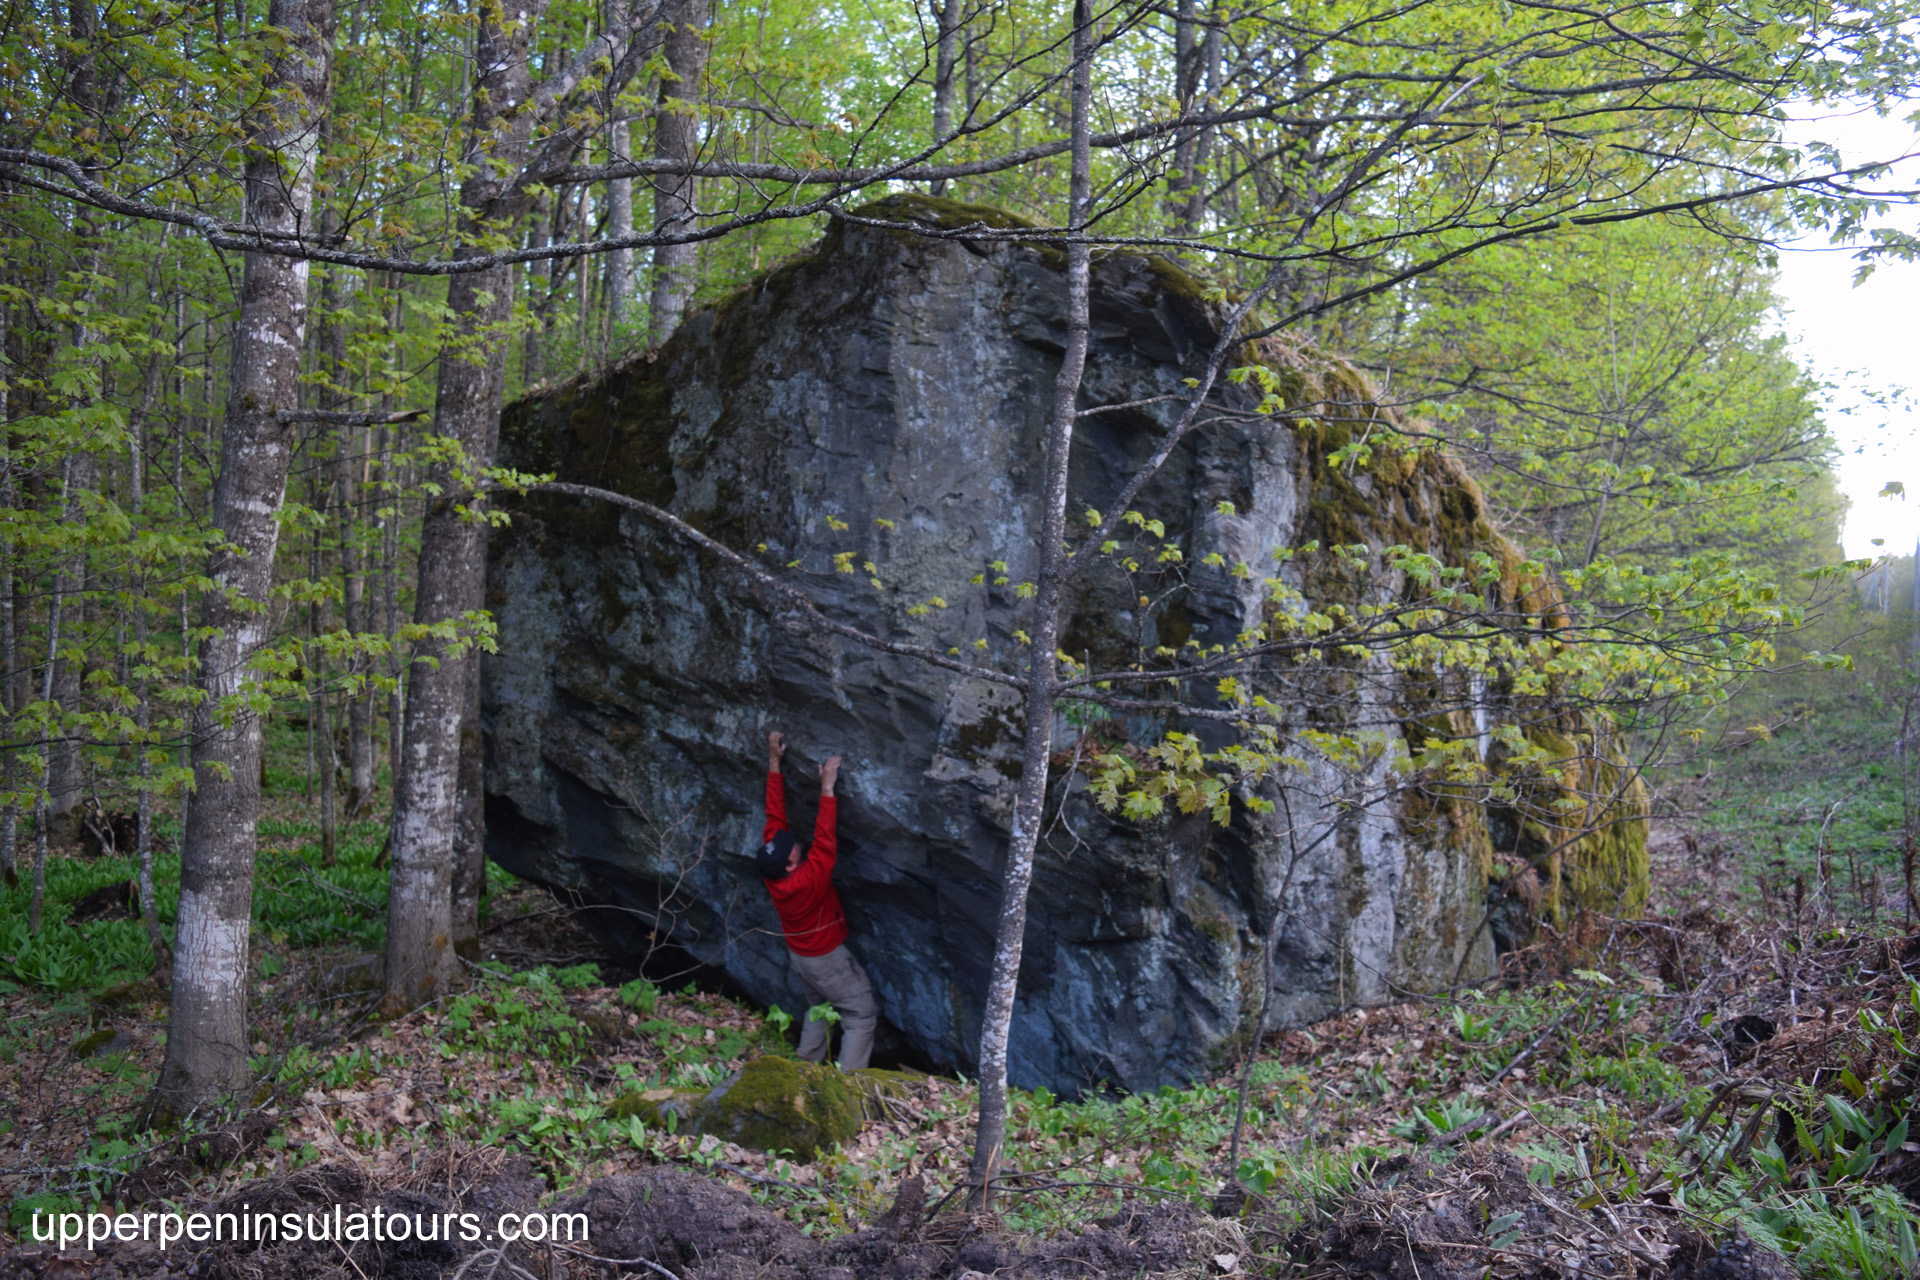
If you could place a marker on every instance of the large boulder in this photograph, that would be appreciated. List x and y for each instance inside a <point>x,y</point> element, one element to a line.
<point>885,395</point>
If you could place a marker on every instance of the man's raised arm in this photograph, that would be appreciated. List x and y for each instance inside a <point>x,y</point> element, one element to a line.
<point>825,843</point>
<point>776,787</point>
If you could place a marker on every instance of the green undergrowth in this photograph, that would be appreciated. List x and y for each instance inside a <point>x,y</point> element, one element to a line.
<point>1591,1079</point>
<point>1808,785</point>
<point>1583,1078</point>
<point>66,956</point>
<point>299,901</point>
<point>1324,1118</point>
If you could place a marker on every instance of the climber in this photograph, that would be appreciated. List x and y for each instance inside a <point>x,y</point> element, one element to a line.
<point>800,881</point>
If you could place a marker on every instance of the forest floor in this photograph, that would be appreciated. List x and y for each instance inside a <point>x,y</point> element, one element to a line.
<point>1697,1093</point>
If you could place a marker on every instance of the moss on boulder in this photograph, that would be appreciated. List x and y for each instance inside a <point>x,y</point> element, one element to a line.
<point>670,1109</point>
<point>774,1104</point>
<point>1583,824</point>
<point>783,1104</point>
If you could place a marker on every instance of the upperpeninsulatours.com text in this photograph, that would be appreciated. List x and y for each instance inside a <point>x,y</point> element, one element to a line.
<point>92,1230</point>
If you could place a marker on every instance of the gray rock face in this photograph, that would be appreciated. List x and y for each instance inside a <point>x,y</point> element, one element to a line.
<point>886,395</point>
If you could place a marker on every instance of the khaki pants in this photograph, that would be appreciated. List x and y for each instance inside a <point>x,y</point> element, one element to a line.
<point>836,978</point>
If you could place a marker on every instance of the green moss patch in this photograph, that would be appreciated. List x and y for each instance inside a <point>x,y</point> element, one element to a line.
<point>774,1104</point>
<point>780,1104</point>
<point>1592,790</point>
<point>948,215</point>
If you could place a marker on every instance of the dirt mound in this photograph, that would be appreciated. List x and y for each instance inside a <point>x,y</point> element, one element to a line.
<point>702,1230</point>
<point>1479,1217</point>
<point>694,1227</point>
<point>170,1176</point>
<point>313,1195</point>
<point>1482,1217</point>
<point>1145,1240</point>
<point>1695,1257</point>
<point>691,1225</point>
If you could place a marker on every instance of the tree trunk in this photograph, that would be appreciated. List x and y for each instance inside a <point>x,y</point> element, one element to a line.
<point>1916,601</point>
<point>181,426</point>
<point>143,716</point>
<point>1197,58</point>
<point>619,211</point>
<point>37,895</point>
<point>11,699</point>
<point>421,962</point>
<point>390,606</point>
<point>353,583</point>
<point>1043,669</point>
<point>65,785</point>
<point>1186,72</point>
<point>319,725</point>
<point>433,886</point>
<point>946,16</point>
<point>470,835</point>
<point>676,136</point>
<point>540,289</point>
<point>1212,52</point>
<point>206,1058</point>
<point>420,956</point>
<point>359,698</point>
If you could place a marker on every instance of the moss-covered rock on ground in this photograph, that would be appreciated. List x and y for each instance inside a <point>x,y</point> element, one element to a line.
<point>654,1107</point>
<point>774,1104</point>
<point>782,1104</point>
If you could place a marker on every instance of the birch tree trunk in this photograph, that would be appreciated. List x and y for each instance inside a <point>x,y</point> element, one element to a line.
<point>1212,52</point>
<point>62,779</point>
<point>143,716</point>
<point>359,698</point>
<point>421,961</point>
<point>206,1058</point>
<point>390,606</point>
<point>1044,671</point>
<point>946,16</point>
<point>353,582</point>
<point>65,786</point>
<point>676,136</point>
<point>319,724</point>
<point>539,285</point>
<point>470,833</point>
<point>1197,55</point>
<point>1186,72</point>
<point>37,894</point>
<point>427,808</point>
<point>619,210</point>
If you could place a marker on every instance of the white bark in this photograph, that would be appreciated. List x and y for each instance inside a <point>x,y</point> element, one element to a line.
<point>206,1058</point>
<point>946,16</point>
<point>677,139</point>
<point>421,961</point>
<point>1043,675</point>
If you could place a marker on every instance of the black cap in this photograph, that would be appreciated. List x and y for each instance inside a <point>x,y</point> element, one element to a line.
<point>773,855</point>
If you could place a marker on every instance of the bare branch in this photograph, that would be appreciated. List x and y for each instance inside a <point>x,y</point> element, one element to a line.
<point>347,419</point>
<point>760,577</point>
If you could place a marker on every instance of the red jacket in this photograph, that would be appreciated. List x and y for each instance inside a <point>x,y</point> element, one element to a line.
<point>809,908</point>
